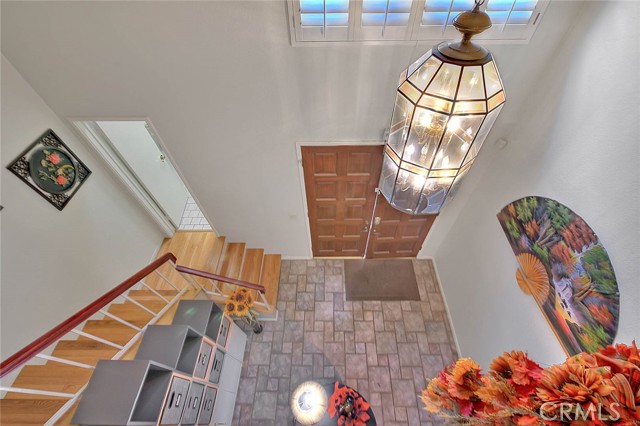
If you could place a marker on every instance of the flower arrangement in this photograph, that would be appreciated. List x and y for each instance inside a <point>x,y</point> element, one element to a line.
<point>599,389</point>
<point>60,174</point>
<point>239,304</point>
<point>349,406</point>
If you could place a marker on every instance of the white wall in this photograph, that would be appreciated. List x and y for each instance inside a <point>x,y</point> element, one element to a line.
<point>137,147</point>
<point>56,262</point>
<point>227,93</point>
<point>576,141</point>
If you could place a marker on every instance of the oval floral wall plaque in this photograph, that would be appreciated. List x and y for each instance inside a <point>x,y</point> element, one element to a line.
<point>582,301</point>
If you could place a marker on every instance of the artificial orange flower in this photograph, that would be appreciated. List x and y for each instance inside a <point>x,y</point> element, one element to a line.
<point>436,396</point>
<point>517,367</point>
<point>528,421</point>
<point>357,417</point>
<point>574,383</point>
<point>517,389</point>
<point>465,379</point>
<point>497,393</point>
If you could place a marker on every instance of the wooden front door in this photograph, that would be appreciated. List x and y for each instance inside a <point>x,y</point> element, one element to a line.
<point>340,182</point>
<point>397,234</point>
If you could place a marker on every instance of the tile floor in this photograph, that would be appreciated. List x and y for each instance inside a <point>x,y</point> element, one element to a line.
<point>385,350</point>
<point>192,218</point>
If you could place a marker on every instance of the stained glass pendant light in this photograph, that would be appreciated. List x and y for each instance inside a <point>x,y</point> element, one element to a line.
<point>446,103</point>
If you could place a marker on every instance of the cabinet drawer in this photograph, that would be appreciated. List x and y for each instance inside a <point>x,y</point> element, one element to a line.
<point>208,402</point>
<point>204,358</point>
<point>224,332</point>
<point>175,402</point>
<point>192,407</point>
<point>216,367</point>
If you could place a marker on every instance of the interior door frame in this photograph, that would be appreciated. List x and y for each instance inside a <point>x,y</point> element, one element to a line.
<point>303,189</point>
<point>86,128</point>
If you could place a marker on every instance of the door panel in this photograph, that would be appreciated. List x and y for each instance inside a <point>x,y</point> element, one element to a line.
<point>340,182</point>
<point>397,234</point>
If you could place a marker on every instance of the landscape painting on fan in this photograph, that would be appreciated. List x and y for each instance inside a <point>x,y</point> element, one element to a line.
<point>563,265</point>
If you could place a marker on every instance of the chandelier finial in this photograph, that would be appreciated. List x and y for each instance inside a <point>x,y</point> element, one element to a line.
<point>469,23</point>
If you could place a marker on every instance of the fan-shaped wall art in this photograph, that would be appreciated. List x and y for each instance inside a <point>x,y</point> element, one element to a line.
<point>563,265</point>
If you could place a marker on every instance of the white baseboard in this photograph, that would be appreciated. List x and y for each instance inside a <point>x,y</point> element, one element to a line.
<point>285,257</point>
<point>446,305</point>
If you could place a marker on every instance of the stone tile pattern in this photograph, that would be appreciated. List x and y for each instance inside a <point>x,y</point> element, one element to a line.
<point>386,350</point>
<point>192,218</point>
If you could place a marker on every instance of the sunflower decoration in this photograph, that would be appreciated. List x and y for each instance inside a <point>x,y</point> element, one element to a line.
<point>240,297</point>
<point>248,297</point>
<point>231,307</point>
<point>239,304</point>
<point>242,309</point>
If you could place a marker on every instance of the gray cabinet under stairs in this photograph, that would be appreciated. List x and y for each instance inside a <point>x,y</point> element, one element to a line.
<point>186,373</point>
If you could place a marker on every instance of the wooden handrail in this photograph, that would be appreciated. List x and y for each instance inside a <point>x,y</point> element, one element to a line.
<point>40,344</point>
<point>215,277</point>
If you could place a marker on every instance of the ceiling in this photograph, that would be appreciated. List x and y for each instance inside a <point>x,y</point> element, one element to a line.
<point>229,96</point>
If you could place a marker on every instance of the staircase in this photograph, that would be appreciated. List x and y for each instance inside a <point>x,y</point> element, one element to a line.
<point>40,391</point>
<point>210,253</point>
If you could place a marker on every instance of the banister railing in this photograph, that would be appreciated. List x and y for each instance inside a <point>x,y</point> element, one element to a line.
<point>67,326</point>
<point>187,281</point>
<point>218,293</point>
<point>220,278</point>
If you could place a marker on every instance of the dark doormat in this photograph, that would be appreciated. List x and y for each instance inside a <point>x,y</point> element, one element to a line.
<point>378,279</point>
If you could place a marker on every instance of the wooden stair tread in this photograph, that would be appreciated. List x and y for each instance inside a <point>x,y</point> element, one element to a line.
<point>84,351</point>
<point>148,300</point>
<point>252,266</point>
<point>208,257</point>
<point>51,377</point>
<point>14,412</point>
<point>68,416</point>
<point>111,331</point>
<point>232,260</point>
<point>232,263</point>
<point>145,295</point>
<point>270,278</point>
<point>146,292</point>
<point>198,250</point>
<point>215,256</point>
<point>131,313</point>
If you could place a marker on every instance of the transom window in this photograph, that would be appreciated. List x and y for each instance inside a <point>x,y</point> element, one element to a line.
<point>324,13</point>
<point>407,20</point>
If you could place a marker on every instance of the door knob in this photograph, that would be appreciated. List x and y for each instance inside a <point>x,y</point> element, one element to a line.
<point>377,221</point>
<point>365,228</point>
